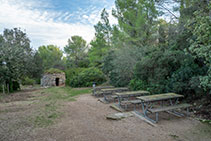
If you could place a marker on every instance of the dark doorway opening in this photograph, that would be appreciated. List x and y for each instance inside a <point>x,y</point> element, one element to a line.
<point>57,81</point>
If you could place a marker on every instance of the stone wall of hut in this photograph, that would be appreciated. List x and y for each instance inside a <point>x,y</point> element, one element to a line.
<point>50,79</point>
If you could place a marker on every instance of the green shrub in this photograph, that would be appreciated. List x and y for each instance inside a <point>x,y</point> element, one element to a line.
<point>71,73</point>
<point>137,84</point>
<point>28,81</point>
<point>86,77</point>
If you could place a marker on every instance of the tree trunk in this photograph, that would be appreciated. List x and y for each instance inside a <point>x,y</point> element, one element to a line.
<point>8,88</point>
<point>3,89</point>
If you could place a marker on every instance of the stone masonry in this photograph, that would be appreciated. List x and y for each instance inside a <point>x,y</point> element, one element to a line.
<point>55,79</point>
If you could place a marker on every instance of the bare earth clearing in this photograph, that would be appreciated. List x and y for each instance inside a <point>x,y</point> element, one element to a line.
<point>22,117</point>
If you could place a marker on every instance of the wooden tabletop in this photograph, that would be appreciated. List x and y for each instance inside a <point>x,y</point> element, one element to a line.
<point>131,93</point>
<point>115,89</point>
<point>159,97</point>
<point>103,87</point>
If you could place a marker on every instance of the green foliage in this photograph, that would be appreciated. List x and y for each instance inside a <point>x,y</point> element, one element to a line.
<point>71,73</point>
<point>53,70</point>
<point>169,71</point>
<point>199,26</point>
<point>75,50</point>
<point>51,57</point>
<point>16,57</point>
<point>108,62</point>
<point>86,77</point>
<point>28,81</point>
<point>186,79</point>
<point>136,84</point>
<point>119,66</point>
<point>136,19</point>
<point>14,86</point>
<point>37,70</point>
<point>101,44</point>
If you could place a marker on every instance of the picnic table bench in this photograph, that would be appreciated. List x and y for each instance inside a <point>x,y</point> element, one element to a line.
<point>172,98</point>
<point>97,90</point>
<point>125,98</point>
<point>108,93</point>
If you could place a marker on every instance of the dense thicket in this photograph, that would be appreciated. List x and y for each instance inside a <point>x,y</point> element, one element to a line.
<point>84,77</point>
<point>148,52</point>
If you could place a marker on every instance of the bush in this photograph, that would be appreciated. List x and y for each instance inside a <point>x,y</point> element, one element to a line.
<point>85,77</point>
<point>28,81</point>
<point>71,73</point>
<point>136,84</point>
<point>119,64</point>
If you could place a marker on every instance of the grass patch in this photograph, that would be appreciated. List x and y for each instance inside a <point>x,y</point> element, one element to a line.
<point>207,121</point>
<point>47,115</point>
<point>51,99</point>
<point>64,93</point>
<point>174,136</point>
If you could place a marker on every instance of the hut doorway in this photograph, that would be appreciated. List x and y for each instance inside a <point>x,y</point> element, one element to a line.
<point>57,81</point>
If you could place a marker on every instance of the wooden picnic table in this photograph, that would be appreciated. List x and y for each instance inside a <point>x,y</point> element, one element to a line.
<point>108,92</point>
<point>103,87</point>
<point>96,90</point>
<point>159,97</point>
<point>131,93</point>
<point>125,96</point>
<point>148,101</point>
<point>112,90</point>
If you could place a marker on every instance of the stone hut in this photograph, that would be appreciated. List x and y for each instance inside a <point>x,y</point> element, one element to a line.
<point>53,79</point>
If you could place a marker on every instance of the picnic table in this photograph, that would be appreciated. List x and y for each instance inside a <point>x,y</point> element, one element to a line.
<point>107,93</point>
<point>96,90</point>
<point>172,100</point>
<point>126,96</point>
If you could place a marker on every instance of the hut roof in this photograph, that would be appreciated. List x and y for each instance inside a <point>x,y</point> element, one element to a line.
<point>53,71</point>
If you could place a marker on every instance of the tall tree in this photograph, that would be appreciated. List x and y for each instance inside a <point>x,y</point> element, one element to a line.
<point>51,56</point>
<point>102,41</point>
<point>75,50</point>
<point>15,56</point>
<point>137,19</point>
<point>199,26</point>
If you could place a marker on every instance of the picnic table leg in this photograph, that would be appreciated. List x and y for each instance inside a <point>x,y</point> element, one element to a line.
<point>104,97</point>
<point>156,117</point>
<point>119,101</point>
<point>134,107</point>
<point>145,109</point>
<point>173,111</point>
<point>187,111</point>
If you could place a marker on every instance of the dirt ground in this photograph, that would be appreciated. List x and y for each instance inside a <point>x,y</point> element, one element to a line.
<point>85,120</point>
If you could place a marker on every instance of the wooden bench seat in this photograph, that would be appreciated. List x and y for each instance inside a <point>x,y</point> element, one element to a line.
<point>97,90</point>
<point>168,108</point>
<point>131,102</point>
<point>114,96</point>
<point>135,101</point>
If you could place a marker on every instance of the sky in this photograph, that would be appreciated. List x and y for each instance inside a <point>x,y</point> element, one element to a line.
<point>53,21</point>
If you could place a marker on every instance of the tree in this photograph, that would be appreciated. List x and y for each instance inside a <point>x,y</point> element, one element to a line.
<point>102,41</point>
<point>200,46</point>
<point>51,56</point>
<point>15,57</point>
<point>137,19</point>
<point>75,50</point>
<point>119,64</point>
